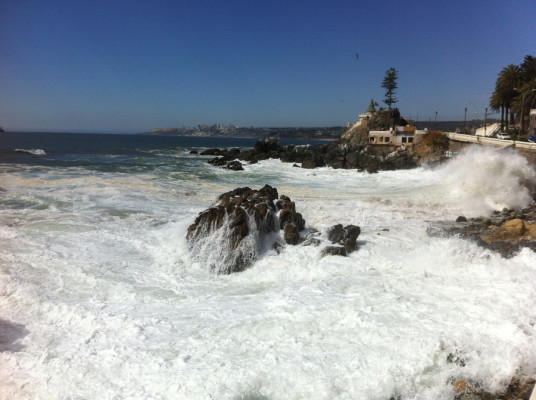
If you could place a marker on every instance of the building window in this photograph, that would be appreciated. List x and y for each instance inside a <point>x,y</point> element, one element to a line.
<point>387,140</point>
<point>410,140</point>
<point>404,139</point>
<point>371,140</point>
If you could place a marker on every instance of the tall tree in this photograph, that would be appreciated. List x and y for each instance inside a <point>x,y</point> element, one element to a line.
<point>497,104</point>
<point>389,83</point>
<point>524,102</point>
<point>528,68</point>
<point>508,84</point>
<point>514,91</point>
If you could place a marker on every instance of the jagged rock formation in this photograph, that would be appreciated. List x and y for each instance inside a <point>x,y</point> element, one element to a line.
<point>230,235</point>
<point>357,135</point>
<point>344,238</point>
<point>348,153</point>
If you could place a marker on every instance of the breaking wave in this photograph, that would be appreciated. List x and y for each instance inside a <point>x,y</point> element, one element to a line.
<point>484,179</point>
<point>35,152</point>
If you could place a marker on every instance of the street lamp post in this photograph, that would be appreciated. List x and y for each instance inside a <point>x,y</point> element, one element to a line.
<point>465,121</point>
<point>485,120</point>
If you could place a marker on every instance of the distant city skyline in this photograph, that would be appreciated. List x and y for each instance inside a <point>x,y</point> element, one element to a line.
<point>131,66</point>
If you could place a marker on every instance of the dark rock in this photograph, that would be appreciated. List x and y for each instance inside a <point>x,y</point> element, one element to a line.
<point>194,152</point>
<point>461,218</point>
<point>334,251</point>
<point>336,233</point>
<point>501,233</point>
<point>218,161</point>
<point>267,145</point>
<point>351,234</point>
<point>234,166</point>
<point>288,214</point>
<point>229,235</point>
<point>347,236</point>
<point>312,163</point>
<point>212,152</point>
<point>344,153</point>
<point>291,234</point>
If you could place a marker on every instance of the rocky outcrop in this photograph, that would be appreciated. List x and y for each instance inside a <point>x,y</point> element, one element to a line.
<point>231,234</point>
<point>343,238</point>
<point>505,232</point>
<point>348,154</point>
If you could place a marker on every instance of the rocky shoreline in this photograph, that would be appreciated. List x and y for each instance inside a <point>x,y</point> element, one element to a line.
<point>517,389</point>
<point>231,234</point>
<point>340,154</point>
<point>506,232</point>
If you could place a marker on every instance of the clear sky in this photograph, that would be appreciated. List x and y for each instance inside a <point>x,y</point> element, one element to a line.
<point>130,66</point>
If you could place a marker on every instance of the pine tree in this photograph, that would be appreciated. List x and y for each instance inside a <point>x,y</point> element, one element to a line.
<point>389,83</point>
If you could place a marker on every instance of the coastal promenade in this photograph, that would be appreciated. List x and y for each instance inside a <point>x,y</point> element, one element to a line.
<point>457,141</point>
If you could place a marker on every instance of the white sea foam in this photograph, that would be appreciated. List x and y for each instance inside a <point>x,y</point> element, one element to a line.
<point>35,152</point>
<point>113,305</point>
<point>485,179</point>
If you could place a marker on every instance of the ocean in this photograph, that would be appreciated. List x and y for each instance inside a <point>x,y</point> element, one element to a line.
<point>100,297</point>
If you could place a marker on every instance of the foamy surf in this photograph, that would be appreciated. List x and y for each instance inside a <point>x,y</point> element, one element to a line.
<point>35,152</point>
<point>102,299</point>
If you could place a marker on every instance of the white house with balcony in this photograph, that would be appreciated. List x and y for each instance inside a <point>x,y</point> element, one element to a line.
<point>399,136</point>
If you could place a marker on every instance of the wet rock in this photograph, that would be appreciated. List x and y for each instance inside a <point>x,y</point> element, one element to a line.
<point>234,166</point>
<point>345,153</point>
<point>334,251</point>
<point>346,236</point>
<point>461,218</point>
<point>230,235</point>
<point>497,233</point>
<point>288,214</point>
<point>291,234</point>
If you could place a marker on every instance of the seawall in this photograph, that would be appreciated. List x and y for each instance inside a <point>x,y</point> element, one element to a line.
<point>458,141</point>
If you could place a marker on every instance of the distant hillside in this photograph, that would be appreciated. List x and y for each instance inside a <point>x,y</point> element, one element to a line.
<point>164,131</point>
<point>329,133</point>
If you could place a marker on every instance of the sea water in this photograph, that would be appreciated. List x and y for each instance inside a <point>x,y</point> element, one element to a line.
<point>101,299</point>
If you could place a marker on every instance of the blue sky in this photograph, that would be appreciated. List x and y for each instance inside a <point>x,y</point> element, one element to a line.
<point>130,66</point>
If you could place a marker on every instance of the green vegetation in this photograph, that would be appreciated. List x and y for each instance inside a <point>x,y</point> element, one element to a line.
<point>515,93</point>
<point>389,83</point>
<point>436,139</point>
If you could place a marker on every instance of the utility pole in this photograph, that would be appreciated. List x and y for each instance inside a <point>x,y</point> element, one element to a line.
<point>465,121</point>
<point>485,118</point>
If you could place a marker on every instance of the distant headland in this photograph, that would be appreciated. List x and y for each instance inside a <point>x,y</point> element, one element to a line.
<point>219,130</point>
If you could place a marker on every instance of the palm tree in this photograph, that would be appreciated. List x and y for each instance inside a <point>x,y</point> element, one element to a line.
<point>508,81</point>
<point>525,101</point>
<point>496,103</point>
